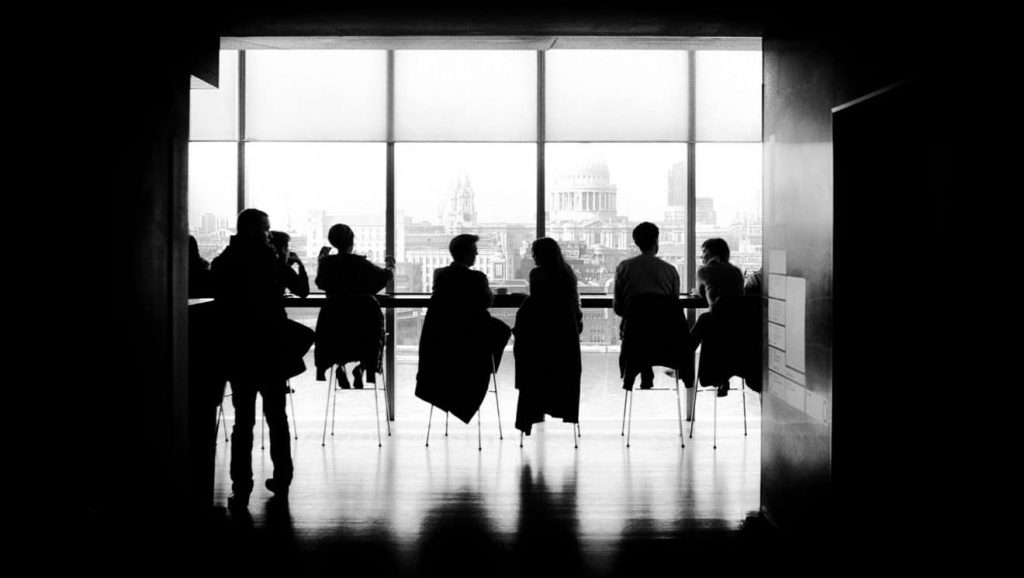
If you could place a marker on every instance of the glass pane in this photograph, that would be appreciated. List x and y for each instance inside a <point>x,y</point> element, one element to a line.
<point>442,190</point>
<point>729,96</point>
<point>212,195</point>
<point>213,113</point>
<point>308,187</point>
<point>316,95</point>
<point>729,200</point>
<point>617,95</point>
<point>488,95</point>
<point>597,193</point>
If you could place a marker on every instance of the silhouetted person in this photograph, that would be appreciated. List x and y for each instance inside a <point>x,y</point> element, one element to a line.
<point>547,346</point>
<point>350,326</point>
<point>716,278</point>
<point>200,282</point>
<point>643,275</point>
<point>248,290</point>
<point>460,339</point>
<point>294,274</point>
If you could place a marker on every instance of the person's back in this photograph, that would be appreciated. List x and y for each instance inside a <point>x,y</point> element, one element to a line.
<point>719,278</point>
<point>644,274</point>
<point>350,274</point>
<point>459,288</point>
<point>648,276</point>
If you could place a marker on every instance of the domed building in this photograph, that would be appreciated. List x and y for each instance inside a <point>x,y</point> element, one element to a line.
<point>583,192</point>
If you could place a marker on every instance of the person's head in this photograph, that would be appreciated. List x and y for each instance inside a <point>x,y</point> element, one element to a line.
<point>280,240</point>
<point>547,253</point>
<point>342,237</point>
<point>254,225</point>
<point>714,247</point>
<point>463,249</point>
<point>645,235</point>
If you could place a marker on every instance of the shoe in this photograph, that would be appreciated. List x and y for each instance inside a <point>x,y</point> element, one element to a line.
<point>238,501</point>
<point>280,490</point>
<point>357,377</point>
<point>723,390</point>
<point>646,384</point>
<point>342,377</point>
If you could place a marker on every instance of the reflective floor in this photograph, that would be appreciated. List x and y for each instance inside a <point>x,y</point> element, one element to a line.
<point>600,509</point>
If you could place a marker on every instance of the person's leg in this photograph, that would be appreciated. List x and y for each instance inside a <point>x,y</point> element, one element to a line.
<point>243,397</point>
<point>646,377</point>
<point>274,398</point>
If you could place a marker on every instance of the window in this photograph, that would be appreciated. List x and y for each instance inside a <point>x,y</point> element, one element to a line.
<point>627,136</point>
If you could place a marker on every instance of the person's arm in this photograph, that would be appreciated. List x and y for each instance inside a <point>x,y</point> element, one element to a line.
<point>301,286</point>
<point>619,297</point>
<point>486,289</point>
<point>701,283</point>
<point>675,281</point>
<point>381,276</point>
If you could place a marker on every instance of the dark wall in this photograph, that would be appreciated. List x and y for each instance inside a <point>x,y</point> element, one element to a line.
<point>860,189</point>
<point>796,449</point>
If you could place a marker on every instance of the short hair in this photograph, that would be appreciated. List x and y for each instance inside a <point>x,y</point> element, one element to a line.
<point>716,247</point>
<point>249,219</point>
<point>461,244</point>
<point>341,236</point>
<point>645,235</point>
<point>279,239</point>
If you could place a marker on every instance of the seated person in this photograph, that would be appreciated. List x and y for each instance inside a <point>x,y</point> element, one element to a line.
<point>461,343</point>
<point>547,346</point>
<point>646,275</point>
<point>717,278</point>
<point>294,276</point>
<point>351,326</point>
<point>200,282</point>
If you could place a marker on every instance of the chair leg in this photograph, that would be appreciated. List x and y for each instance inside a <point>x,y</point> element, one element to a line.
<point>387,404</point>
<point>629,430</point>
<point>479,434</point>
<point>429,419</point>
<point>714,444</point>
<point>693,407</point>
<point>625,401</point>
<point>376,414</point>
<point>579,432</point>
<point>220,417</point>
<point>520,439</point>
<point>679,407</point>
<point>494,376</point>
<point>334,406</point>
<point>446,414</point>
<point>291,398</point>
<point>327,406</point>
<point>575,442</point>
<point>743,398</point>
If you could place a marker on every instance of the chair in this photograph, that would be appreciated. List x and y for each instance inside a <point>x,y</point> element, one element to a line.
<point>263,426</point>
<point>333,386</point>
<point>350,328</point>
<point>654,332</point>
<point>479,433</point>
<point>731,346</point>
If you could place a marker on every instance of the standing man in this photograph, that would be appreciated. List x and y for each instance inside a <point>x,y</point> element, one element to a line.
<point>644,274</point>
<point>248,279</point>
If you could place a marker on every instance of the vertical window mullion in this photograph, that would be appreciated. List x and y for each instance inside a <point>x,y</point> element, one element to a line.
<point>389,234</point>
<point>240,139</point>
<point>541,136</point>
<point>691,177</point>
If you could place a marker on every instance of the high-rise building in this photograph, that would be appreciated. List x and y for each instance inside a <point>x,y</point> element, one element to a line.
<point>677,189</point>
<point>706,217</point>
